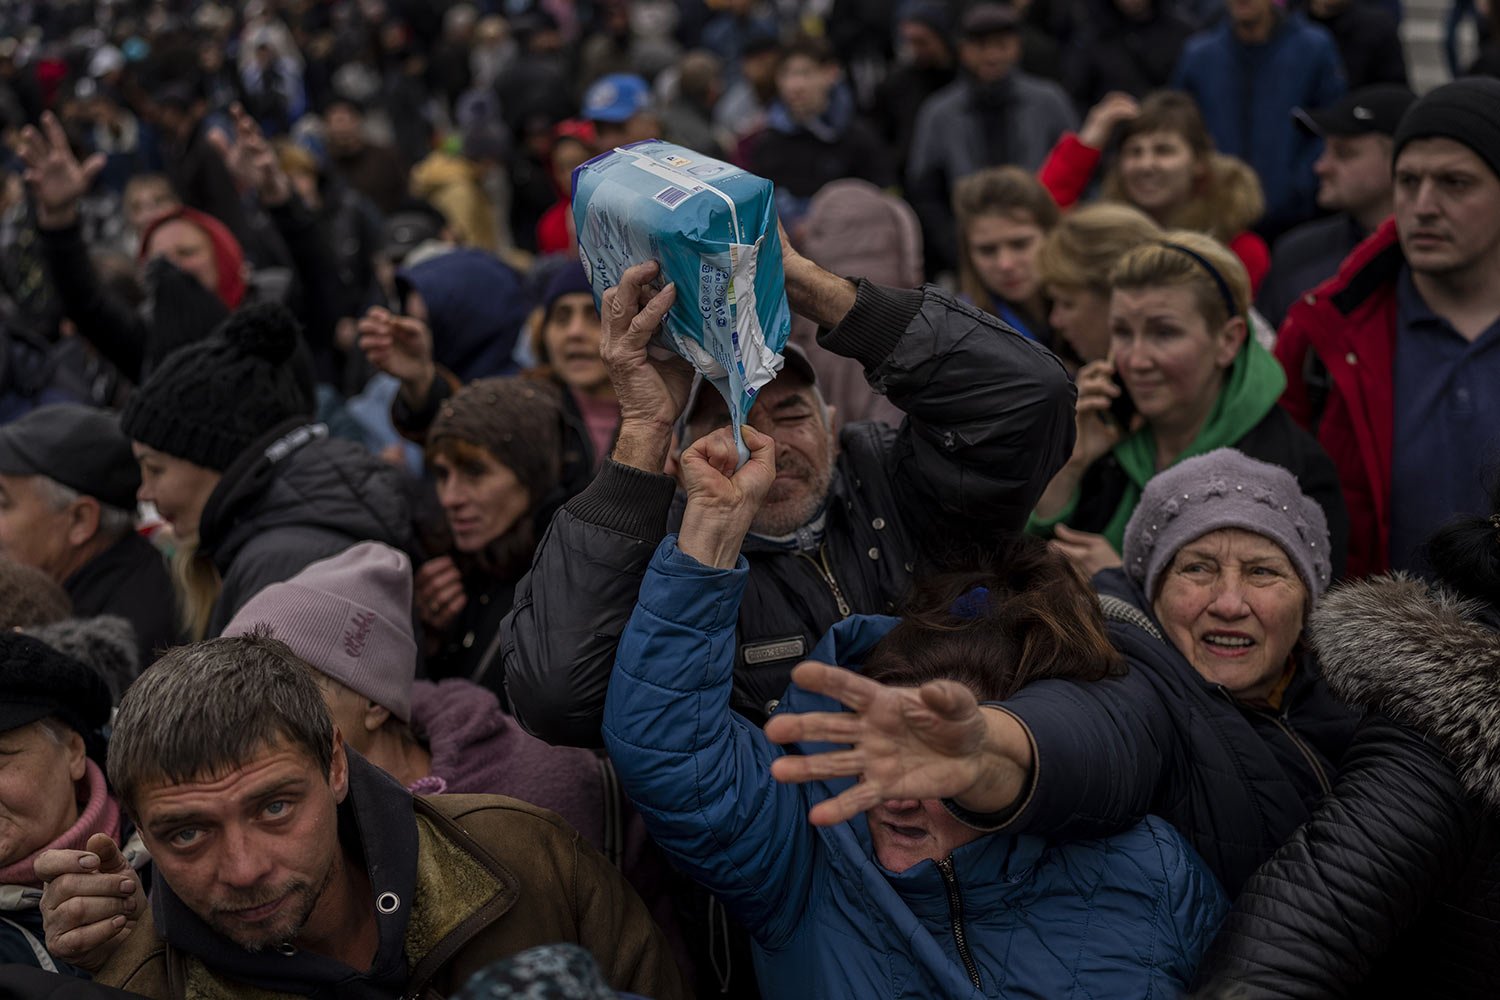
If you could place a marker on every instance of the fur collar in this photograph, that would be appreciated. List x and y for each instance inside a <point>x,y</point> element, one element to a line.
<point>1421,655</point>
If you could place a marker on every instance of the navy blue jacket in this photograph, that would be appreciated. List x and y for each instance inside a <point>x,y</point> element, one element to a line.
<point>1247,93</point>
<point>1003,916</point>
<point>1162,740</point>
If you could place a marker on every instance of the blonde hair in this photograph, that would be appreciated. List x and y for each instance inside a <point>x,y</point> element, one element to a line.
<point>1006,191</point>
<point>1082,248</point>
<point>198,585</point>
<point>1182,258</point>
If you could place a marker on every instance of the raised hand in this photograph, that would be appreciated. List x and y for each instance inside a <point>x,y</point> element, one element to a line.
<point>928,742</point>
<point>252,160</point>
<point>722,501</point>
<point>1097,430</point>
<point>440,593</point>
<point>1099,124</point>
<point>399,346</point>
<point>650,382</point>
<point>90,902</point>
<point>56,178</point>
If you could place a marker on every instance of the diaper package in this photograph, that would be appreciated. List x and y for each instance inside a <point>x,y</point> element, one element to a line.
<point>712,227</point>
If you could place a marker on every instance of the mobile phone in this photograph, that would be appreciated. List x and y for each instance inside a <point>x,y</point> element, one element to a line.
<point>1122,407</point>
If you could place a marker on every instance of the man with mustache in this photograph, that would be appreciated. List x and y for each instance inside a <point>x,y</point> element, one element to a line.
<point>852,510</point>
<point>1394,361</point>
<point>287,865</point>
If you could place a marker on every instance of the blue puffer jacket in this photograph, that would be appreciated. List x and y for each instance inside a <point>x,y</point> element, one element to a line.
<point>1123,916</point>
<point>1247,94</point>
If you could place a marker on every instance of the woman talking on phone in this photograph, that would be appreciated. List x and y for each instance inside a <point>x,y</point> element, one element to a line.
<point>1182,378</point>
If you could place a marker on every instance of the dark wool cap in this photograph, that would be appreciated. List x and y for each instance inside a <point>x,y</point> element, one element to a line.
<point>38,682</point>
<point>1466,111</point>
<point>78,446</point>
<point>209,401</point>
<point>516,419</point>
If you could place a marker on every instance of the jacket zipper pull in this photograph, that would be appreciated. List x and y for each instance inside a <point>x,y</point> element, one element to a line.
<point>833,583</point>
<point>956,917</point>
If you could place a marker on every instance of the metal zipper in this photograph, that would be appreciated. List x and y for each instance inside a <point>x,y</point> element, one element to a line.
<point>956,915</point>
<point>1312,758</point>
<point>826,572</point>
<point>1291,734</point>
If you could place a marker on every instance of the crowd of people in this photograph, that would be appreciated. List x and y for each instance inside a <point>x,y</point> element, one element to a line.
<point>1109,604</point>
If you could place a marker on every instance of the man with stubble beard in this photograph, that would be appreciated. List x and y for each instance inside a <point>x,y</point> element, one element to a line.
<point>851,514</point>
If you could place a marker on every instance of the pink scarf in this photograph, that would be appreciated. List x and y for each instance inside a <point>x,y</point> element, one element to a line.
<point>100,814</point>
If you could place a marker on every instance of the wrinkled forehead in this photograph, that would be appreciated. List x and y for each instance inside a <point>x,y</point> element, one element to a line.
<point>789,388</point>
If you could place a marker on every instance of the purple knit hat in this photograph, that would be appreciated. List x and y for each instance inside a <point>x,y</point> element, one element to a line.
<point>1226,489</point>
<point>349,617</point>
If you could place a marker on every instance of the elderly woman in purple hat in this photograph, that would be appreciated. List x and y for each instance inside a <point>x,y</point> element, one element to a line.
<point>1222,725</point>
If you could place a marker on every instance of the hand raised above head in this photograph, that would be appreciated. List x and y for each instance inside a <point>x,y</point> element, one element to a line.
<point>722,500</point>
<point>652,389</point>
<point>56,178</point>
<point>251,159</point>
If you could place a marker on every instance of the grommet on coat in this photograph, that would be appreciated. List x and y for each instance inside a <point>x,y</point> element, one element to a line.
<point>878,524</point>
<point>286,949</point>
<point>387,902</point>
<point>874,553</point>
<point>1350,358</point>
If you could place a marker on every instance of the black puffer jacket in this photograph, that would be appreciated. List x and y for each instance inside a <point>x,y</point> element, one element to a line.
<point>990,419</point>
<point>293,498</point>
<point>1234,779</point>
<point>1393,888</point>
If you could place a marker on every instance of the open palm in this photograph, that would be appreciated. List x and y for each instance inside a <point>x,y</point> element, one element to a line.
<point>56,177</point>
<point>903,743</point>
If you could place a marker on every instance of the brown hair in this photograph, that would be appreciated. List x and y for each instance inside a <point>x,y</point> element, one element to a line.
<point>1163,265</point>
<point>203,710</point>
<point>1007,191</point>
<point>1083,247</point>
<point>1227,198</point>
<point>1036,618</point>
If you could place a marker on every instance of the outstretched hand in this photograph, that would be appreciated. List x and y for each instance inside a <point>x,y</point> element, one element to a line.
<point>252,160</point>
<point>722,500</point>
<point>928,742</point>
<point>56,178</point>
<point>400,346</point>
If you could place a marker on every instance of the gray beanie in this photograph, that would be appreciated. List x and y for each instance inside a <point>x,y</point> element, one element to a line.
<point>1226,489</point>
<point>349,617</point>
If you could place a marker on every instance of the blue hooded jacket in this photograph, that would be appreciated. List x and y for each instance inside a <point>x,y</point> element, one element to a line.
<point>1004,916</point>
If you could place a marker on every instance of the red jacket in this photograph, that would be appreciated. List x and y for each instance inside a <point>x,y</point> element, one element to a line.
<point>1349,324</point>
<point>1069,168</point>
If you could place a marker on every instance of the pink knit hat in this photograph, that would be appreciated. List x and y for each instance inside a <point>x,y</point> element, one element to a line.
<point>349,617</point>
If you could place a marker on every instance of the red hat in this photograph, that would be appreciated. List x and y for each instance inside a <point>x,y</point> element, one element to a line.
<point>228,257</point>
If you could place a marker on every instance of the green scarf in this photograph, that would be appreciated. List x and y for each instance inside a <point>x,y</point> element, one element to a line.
<point>1252,386</point>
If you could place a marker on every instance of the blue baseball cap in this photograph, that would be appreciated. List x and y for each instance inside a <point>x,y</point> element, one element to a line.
<point>616,98</point>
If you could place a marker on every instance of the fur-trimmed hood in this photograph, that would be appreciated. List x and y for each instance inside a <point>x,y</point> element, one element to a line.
<point>1423,656</point>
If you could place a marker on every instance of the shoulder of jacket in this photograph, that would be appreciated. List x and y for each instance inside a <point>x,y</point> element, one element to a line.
<point>488,813</point>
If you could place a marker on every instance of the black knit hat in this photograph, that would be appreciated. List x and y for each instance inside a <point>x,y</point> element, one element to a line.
<point>38,682</point>
<point>1466,111</point>
<point>210,401</point>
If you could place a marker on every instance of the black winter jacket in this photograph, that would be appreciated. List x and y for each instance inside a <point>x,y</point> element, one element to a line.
<point>1392,889</point>
<point>1163,740</point>
<point>293,498</point>
<point>990,419</point>
<point>1276,439</point>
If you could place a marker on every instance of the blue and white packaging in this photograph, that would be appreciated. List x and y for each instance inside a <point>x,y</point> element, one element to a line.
<point>712,227</point>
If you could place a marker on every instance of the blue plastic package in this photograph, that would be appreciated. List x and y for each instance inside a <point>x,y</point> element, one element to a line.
<point>712,227</point>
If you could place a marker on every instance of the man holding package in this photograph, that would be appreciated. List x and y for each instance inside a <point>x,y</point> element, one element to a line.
<point>989,420</point>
